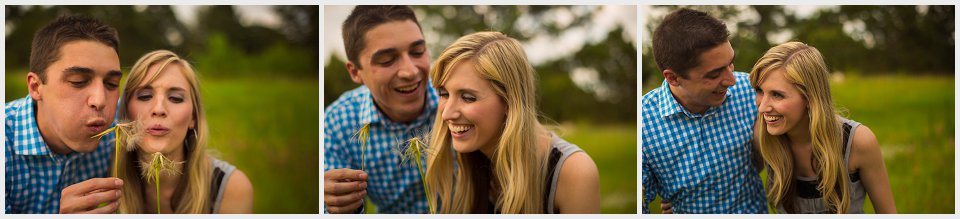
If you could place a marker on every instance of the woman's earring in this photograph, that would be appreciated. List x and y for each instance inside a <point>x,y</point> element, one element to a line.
<point>186,142</point>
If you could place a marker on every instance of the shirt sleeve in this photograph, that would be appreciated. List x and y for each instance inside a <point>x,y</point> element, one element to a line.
<point>651,187</point>
<point>7,145</point>
<point>336,141</point>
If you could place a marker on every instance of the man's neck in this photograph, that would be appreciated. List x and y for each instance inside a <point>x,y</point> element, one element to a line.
<point>54,143</point>
<point>693,108</point>
<point>398,118</point>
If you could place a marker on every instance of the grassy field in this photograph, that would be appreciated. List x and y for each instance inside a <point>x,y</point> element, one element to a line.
<point>913,119</point>
<point>614,149</point>
<point>267,128</point>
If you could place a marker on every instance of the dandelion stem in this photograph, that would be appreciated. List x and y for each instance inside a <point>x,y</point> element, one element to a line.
<point>158,156</point>
<point>416,145</point>
<point>362,135</point>
<point>116,153</point>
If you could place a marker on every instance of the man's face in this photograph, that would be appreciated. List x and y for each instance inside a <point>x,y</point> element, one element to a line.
<point>395,65</point>
<point>706,85</point>
<point>79,98</point>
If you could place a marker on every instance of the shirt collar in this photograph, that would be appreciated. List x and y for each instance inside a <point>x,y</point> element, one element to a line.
<point>27,138</point>
<point>370,114</point>
<point>669,105</point>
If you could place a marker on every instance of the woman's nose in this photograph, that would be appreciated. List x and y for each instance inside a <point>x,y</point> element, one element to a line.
<point>158,109</point>
<point>450,110</point>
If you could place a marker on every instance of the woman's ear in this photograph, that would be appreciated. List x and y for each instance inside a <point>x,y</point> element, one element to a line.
<point>193,122</point>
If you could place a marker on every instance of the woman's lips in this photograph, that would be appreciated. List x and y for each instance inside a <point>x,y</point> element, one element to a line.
<point>157,130</point>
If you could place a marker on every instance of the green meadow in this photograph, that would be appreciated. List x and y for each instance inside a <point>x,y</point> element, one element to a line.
<point>913,119</point>
<point>266,127</point>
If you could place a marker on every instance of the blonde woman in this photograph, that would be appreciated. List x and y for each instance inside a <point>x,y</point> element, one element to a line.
<point>503,159</point>
<point>817,161</point>
<point>162,94</point>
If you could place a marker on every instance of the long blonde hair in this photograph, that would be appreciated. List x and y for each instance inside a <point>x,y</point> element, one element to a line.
<point>192,195</point>
<point>806,70</point>
<point>517,164</point>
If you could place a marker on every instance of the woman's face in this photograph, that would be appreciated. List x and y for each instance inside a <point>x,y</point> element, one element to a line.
<point>164,108</point>
<point>781,104</point>
<point>472,110</point>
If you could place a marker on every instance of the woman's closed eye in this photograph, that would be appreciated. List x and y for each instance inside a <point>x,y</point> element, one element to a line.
<point>777,95</point>
<point>443,93</point>
<point>175,99</point>
<point>144,95</point>
<point>469,98</point>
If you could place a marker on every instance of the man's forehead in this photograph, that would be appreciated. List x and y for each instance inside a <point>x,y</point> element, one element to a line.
<point>393,34</point>
<point>717,57</point>
<point>87,54</point>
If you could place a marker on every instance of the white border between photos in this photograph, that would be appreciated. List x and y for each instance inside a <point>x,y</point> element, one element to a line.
<point>534,2</point>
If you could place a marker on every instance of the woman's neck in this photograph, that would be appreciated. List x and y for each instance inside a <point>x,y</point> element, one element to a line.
<point>799,135</point>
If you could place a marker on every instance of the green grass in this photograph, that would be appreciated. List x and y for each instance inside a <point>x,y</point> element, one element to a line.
<point>267,128</point>
<point>913,119</point>
<point>614,149</point>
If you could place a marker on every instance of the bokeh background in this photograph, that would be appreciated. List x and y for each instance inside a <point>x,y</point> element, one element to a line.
<point>258,68</point>
<point>586,58</point>
<point>892,70</point>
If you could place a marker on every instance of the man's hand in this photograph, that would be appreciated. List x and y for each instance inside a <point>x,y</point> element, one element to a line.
<point>84,197</point>
<point>344,190</point>
<point>666,208</point>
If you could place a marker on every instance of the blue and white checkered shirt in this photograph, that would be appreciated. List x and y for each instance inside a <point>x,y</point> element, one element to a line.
<point>393,187</point>
<point>701,163</point>
<point>35,175</point>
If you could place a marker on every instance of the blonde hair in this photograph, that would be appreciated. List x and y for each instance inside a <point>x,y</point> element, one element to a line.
<point>192,195</point>
<point>517,164</point>
<point>805,69</point>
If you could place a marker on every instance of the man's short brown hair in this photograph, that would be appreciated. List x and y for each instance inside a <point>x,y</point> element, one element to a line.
<point>365,17</point>
<point>682,36</point>
<point>47,41</point>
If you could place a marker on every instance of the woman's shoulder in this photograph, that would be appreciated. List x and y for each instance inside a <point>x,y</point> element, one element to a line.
<point>864,147</point>
<point>237,194</point>
<point>578,185</point>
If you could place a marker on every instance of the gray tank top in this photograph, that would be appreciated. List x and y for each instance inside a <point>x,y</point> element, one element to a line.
<point>561,150</point>
<point>218,184</point>
<point>809,200</point>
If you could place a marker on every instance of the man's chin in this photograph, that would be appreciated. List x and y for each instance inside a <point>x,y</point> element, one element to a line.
<point>85,147</point>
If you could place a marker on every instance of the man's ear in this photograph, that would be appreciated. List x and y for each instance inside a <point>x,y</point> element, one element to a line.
<point>354,71</point>
<point>672,77</point>
<point>33,86</point>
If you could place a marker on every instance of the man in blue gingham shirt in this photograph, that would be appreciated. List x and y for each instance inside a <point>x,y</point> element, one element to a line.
<point>386,52</point>
<point>53,162</point>
<point>697,126</point>
<point>35,174</point>
<point>393,187</point>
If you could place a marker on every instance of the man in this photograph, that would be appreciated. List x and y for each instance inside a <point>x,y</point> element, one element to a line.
<point>53,163</point>
<point>698,125</point>
<point>386,53</point>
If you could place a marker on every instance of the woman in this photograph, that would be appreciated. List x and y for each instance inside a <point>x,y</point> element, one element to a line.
<point>506,161</point>
<point>817,161</point>
<point>162,95</point>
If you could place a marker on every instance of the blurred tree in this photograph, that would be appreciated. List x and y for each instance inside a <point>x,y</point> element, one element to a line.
<point>336,80</point>
<point>853,39</point>
<point>138,31</point>
<point>611,98</point>
<point>219,43</point>
<point>300,29</point>
<point>223,19</point>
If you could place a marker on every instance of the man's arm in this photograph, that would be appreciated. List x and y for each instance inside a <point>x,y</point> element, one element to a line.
<point>343,188</point>
<point>650,187</point>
